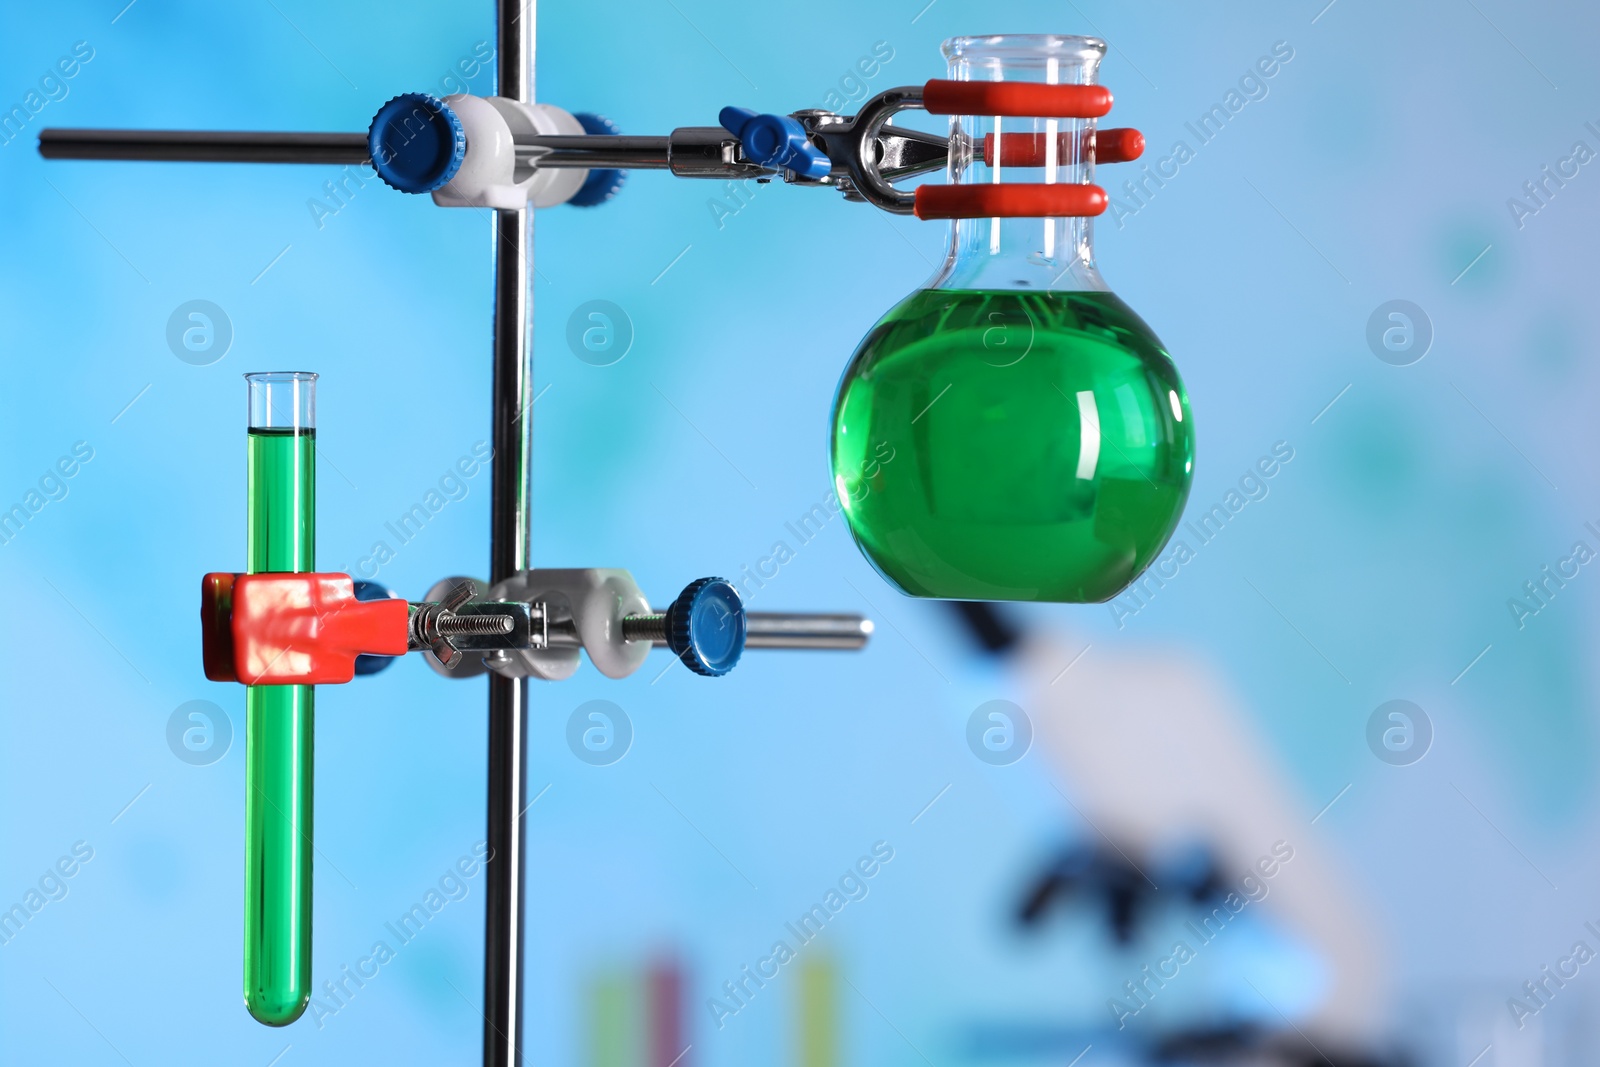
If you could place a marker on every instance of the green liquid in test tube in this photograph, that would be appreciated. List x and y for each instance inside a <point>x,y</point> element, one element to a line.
<point>278,739</point>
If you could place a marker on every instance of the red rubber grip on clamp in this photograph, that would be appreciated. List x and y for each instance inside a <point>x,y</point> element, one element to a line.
<point>293,629</point>
<point>1008,200</point>
<point>1028,149</point>
<point>1018,99</point>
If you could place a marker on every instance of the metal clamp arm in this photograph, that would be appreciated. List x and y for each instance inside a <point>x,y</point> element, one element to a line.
<point>851,162</point>
<point>496,152</point>
<point>856,144</point>
<point>688,152</point>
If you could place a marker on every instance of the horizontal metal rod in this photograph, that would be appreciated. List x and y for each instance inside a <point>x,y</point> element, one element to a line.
<point>689,152</point>
<point>582,151</point>
<point>204,146</point>
<point>767,629</point>
<point>781,629</point>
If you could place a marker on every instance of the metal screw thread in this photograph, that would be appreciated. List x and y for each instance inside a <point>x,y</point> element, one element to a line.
<point>474,625</point>
<point>644,627</point>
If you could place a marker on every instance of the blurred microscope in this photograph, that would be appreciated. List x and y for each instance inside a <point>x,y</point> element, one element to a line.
<point>1227,935</point>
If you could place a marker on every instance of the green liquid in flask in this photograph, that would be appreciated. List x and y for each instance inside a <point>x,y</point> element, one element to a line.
<point>1012,445</point>
<point>277,919</point>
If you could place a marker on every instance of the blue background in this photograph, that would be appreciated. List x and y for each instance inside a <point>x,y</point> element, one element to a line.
<point>1378,167</point>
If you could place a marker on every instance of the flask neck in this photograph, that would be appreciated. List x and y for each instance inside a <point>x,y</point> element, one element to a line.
<point>1049,253</point>
<point>1021,253</point>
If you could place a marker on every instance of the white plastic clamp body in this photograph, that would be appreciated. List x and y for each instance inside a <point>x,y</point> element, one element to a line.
<point>490,175</point>
<point>596,600</point>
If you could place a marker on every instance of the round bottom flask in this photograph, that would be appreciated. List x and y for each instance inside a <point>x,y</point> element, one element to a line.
<point>1014,431</point>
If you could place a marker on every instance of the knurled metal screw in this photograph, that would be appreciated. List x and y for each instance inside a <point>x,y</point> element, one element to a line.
<point>473,625</point>
<point>644,627</point>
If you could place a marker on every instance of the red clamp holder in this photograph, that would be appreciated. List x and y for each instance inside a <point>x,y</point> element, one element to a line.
<point>1008,200</point>
<point>293,629</point>
<point>1028,149</point>
<point>941,96</point>
<point>1025,100</point>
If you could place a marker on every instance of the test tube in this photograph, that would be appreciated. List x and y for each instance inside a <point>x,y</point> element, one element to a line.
<point>278,733</point>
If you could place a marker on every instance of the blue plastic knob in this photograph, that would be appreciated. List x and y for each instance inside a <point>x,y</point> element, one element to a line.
<point>775,141</point>
<point>366,663</point>
<point>602,183</point>
<point>706,626</point>
<point>417,143</point>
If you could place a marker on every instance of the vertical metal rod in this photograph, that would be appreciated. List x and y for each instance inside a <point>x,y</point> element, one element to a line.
<point>508,549</point>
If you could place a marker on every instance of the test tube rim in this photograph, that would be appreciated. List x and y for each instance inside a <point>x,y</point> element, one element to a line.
<point>302,415</point>
<point>272,377</point>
